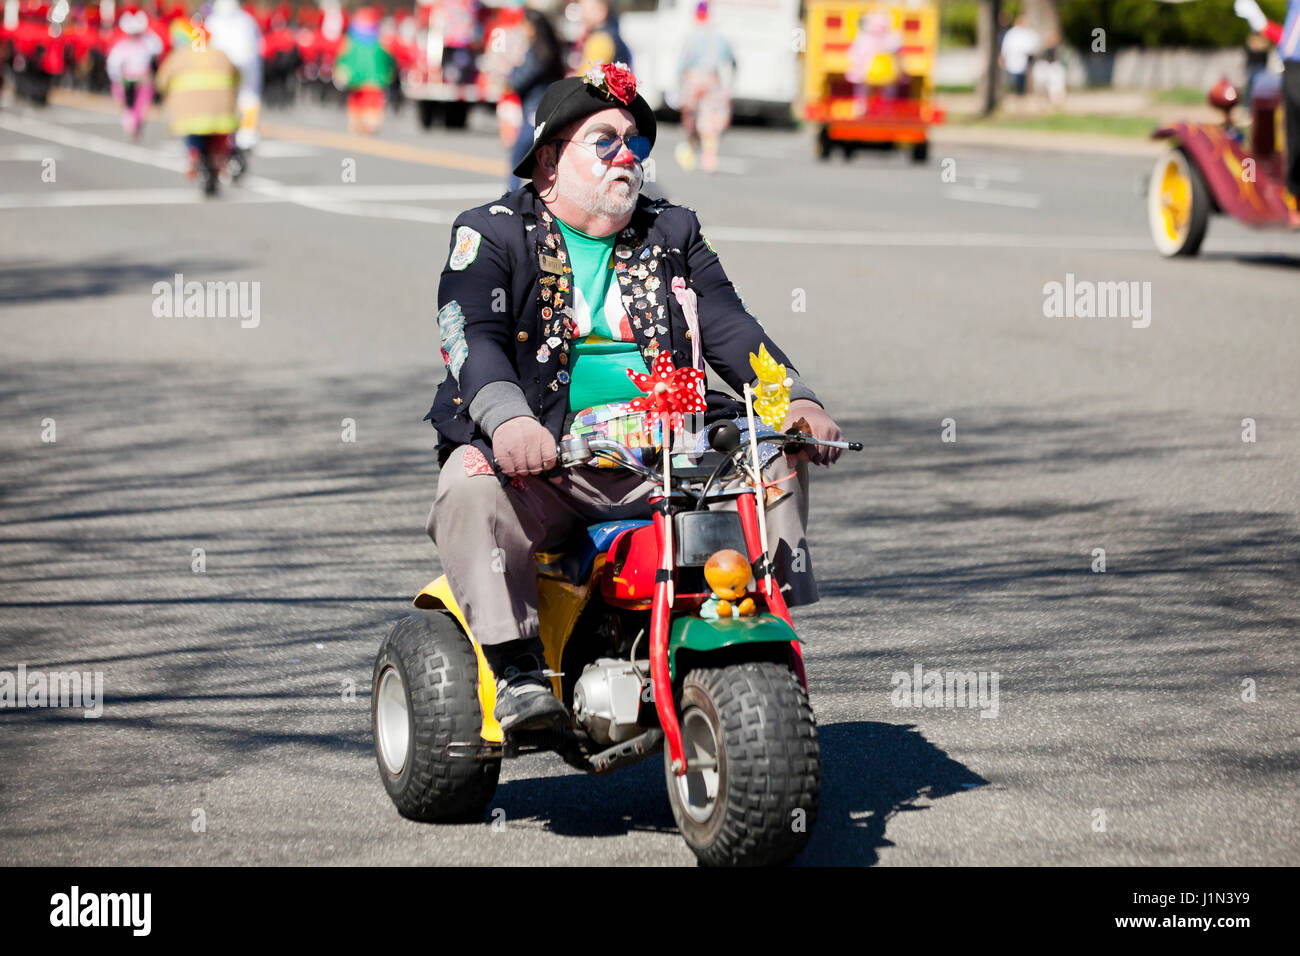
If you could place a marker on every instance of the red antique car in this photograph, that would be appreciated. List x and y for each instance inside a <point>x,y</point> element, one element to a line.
<point>1212,168</point>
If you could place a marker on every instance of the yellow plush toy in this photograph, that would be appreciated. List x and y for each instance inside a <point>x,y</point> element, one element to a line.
<point>728,573</point>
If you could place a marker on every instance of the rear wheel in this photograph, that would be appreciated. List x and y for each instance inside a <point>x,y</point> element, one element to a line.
<point>426,112</point>
<point>1178,205</point>
<point>456,115</point>
<point>749,736</point>
<point>921,151</point>
<point>423,698</point>
<point>823,145</point>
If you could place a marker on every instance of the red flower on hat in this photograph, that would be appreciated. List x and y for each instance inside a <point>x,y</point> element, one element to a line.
<point>620,82</point>
<point>668,389</point>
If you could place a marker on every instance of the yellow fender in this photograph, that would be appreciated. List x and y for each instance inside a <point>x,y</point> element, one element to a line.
<point>559,607</point>
<point>437,595</point>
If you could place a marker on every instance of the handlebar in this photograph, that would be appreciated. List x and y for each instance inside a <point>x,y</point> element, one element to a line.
<point>577,450</point>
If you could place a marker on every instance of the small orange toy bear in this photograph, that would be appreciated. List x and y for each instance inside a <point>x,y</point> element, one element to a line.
<point>728,574</point>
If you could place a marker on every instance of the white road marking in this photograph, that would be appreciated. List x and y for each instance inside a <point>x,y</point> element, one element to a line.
<point>993,197</point>
<point>355,192</point>
<point>92,143</point>
<point>735,167</point>
<point>78,118</point>
<point>28,153</point>
<point>81,198</point>
<point>929,240</point>
<point>342,199</point>
<point>351,199</point>
<point>283,149</point>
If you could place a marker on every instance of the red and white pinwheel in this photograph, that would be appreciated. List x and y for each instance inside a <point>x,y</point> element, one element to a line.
<point>668,391</point>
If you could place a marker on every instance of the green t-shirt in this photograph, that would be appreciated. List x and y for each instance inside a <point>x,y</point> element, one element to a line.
<point>601,358</point>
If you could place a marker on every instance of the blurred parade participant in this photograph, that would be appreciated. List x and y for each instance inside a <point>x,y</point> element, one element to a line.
<point>542,65</point>
<point>280,59</point>
<point>365,69</point>
<point>130,69</point>
<point>705,72</point>
<point>38,55</point>
<point>200,87</point>
<point>1019,45</point>
<point>1049,73</point>
<point>333,34</point>
<point>1287,37</point>
<point>600,41</point>
<point>873,63</point>
<point>308,40</point>
<point>403,45</point>
<point>236,34</point>
<point>457,21</point>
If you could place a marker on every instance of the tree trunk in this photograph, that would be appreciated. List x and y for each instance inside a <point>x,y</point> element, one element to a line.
<point>986,41</point>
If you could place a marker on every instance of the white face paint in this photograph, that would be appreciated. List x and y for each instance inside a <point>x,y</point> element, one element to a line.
<point>611,190</point>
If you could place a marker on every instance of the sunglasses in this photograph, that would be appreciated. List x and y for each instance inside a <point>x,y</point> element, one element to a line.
<point>608,146</point>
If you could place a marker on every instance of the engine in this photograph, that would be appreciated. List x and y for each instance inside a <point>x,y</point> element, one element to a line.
<point>606,701</point>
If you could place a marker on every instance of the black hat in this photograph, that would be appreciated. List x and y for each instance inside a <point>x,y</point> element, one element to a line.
<point>576,97</point>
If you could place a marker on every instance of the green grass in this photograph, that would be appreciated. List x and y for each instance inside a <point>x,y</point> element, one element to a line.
<point>954,88</point>
<point>1181,95</point>
<point>1134,126</point>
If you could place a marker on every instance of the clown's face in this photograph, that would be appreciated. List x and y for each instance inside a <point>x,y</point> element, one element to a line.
<point>599,187</point>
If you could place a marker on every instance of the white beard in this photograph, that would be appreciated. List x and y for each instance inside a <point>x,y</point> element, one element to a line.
<point>614,195</point>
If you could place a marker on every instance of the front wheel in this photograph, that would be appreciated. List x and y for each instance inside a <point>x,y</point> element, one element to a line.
<point>1178,205</point>
<point>749,736</point>
<point>423,698</point>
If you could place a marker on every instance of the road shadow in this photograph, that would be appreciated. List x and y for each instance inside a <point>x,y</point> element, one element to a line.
<point>870,772</point>
<point>1276,259</point>
<point>634,799</point>
<point>32,281</point>
<point>973,555</point>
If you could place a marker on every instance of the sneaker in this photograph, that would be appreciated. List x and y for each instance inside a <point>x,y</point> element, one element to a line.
<point>524,697</point>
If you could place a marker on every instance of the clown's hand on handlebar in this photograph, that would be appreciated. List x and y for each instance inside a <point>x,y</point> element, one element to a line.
<point>523,446</point>
<point>825,440</point>
<point>800,434</point>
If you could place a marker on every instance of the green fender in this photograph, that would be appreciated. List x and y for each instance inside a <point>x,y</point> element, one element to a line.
<point>701,634</point>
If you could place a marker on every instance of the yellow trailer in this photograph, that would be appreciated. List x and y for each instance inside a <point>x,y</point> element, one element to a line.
<point>868,75</point>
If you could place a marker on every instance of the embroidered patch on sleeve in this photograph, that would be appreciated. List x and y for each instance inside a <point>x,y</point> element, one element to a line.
<point>708,244</point>
<point>466,248</point>
<point>476,462</point>
<point>451,327</point>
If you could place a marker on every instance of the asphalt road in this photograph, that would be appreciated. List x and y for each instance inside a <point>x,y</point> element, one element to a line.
<point>1121,734</point>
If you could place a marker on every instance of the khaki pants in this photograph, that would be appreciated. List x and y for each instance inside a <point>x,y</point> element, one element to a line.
<point>486,535</point>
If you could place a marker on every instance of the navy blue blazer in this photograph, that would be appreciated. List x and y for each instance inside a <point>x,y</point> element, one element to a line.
<point>506,273</point>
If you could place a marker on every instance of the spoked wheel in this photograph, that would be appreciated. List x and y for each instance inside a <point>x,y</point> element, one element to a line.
<point>1178,205</point>
<point>424,697</point>
<point>750,795</point>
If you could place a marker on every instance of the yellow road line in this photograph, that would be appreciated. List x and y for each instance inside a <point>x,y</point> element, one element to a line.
<point>349,142</point>
<point>346,142</point>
